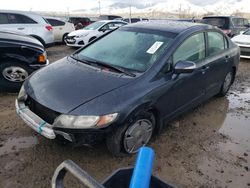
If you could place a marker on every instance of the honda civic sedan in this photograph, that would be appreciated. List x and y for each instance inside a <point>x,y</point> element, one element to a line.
<point>125,86</point>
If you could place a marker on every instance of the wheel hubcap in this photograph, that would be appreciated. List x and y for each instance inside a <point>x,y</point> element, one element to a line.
<point>15,74</point>
<point>227,82</point>
<point>138,135</point>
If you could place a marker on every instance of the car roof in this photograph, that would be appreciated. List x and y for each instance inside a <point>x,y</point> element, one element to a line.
<point>168,26</point>
<point>107,21</point>
<point>222,17</point>
<point>18,11</point>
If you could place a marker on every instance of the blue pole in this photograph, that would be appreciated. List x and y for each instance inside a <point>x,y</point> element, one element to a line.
<point>143,168</point>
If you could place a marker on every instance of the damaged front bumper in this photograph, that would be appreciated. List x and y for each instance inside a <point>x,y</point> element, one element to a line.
<point>34,121</point>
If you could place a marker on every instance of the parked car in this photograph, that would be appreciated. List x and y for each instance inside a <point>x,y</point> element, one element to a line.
<point>28,23</point>
<point>126,85</point>
<point>243,41</point>
<point>134,20</point>
<point>230,25</point>
<point>20,55</point>
<point>109,17</point>
<point>60,28</point>
<point>79,22</point>
<point>91,32</point>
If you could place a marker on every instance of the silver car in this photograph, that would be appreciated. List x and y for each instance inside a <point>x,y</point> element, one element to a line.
<point>28,23</point>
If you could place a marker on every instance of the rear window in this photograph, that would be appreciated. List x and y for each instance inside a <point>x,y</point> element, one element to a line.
<point>54,22</point>
<point>222,23</point>
<point>238,21</point>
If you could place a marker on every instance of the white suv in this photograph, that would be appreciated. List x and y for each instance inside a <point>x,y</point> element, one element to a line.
<point>83,36</point>
<point>28,23</point>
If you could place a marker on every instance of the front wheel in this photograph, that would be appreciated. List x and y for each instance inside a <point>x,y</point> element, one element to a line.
<point>129,138</point>
<point>226,83</point>
<point>12,76</point>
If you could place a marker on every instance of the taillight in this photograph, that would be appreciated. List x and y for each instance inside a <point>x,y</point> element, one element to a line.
<point>227,31</point>
<point>49,27</point>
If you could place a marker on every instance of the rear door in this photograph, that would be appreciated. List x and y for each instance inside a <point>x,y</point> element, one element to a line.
<point>21,23</point>
<point>217,62</point>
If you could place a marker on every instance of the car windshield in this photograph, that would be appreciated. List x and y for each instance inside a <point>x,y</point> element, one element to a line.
<point>127,49</point>
<point>222,23</point>
<point>94,26</point>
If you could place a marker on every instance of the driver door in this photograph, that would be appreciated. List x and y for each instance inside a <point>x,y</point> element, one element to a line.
<point>184,90</point>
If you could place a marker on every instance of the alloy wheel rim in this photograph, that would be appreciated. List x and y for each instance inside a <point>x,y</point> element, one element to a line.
<point>15,74</point>
<point>137,135</point>
<point>227,82</point>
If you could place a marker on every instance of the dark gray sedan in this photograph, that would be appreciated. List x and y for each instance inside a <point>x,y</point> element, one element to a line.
<point>125,86</point>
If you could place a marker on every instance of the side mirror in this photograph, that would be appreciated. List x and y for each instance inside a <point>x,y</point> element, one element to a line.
<point>184,67</point>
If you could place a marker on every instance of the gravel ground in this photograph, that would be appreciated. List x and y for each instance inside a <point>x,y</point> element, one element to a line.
<point>206,147</point>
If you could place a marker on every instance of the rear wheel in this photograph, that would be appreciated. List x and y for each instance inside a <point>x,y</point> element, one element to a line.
<point>227,83</point>
<point>12,76</point>
<point>129,138</point>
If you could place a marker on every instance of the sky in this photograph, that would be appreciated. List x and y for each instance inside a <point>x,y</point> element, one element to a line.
<point>66,5</point>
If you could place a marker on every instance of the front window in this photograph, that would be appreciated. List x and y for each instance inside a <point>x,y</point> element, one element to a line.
<point>94,26</point>
<point>127,49</point>
<point>192,49</point>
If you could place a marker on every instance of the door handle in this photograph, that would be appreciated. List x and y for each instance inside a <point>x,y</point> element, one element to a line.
<point>205,68</point>
<point>20,28</point>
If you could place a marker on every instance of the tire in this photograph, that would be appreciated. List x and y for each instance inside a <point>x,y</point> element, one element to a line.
<point>63,38</point>
<point>12,76</point>
<point>140,128</point>
<point>91,39</point>
<point>40,40</point>
<point>227,82</point>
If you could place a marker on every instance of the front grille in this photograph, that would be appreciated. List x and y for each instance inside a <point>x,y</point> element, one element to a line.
<point>43,112</point>
<point>245,51</point>
<point>70,39</point>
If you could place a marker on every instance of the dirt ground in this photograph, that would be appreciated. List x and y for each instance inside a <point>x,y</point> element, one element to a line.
<point>207,147</point>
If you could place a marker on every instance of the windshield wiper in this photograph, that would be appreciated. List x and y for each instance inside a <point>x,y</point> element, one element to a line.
<point>116,68</point>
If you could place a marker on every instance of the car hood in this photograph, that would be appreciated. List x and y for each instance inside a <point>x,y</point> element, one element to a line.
<point>79,32</point>
<point>242,38</point>
<point>67,84</point>
<point>19,38</point>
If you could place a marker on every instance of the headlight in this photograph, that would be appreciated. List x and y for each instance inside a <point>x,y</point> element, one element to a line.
<point>84,122</point>
<point>22,96</point>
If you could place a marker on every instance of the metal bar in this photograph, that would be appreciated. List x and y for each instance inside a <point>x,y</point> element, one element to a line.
<point>77,172</point>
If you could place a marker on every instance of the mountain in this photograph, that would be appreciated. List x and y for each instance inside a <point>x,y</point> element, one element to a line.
<point>221,7</point>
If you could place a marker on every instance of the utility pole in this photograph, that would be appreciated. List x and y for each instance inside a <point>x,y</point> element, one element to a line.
<point>130,13</point>
<point>99,2</point>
